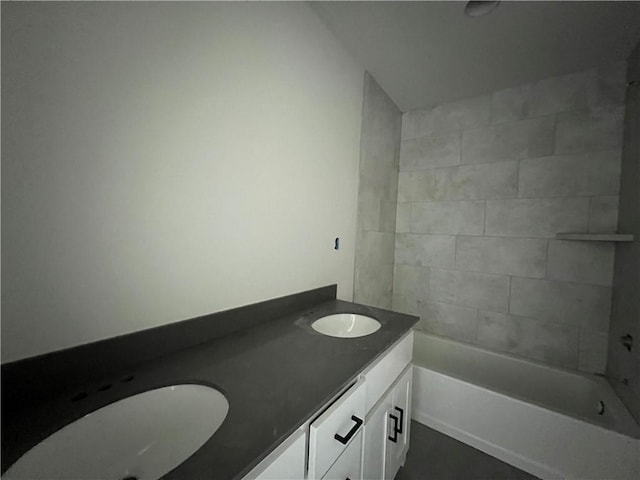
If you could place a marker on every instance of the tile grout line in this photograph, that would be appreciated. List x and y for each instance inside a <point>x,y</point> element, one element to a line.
<point>455,250</point>
<point>518,178</point>
<point>484,220</point>
<point>546,261</point>
<point>477,325</point>
<point>509,296</point>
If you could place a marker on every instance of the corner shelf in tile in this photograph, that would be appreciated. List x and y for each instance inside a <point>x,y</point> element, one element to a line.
<point>596,237</point>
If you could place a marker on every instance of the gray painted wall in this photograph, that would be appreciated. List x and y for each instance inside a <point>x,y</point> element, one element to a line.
<point>484,185</point>
<point>164,160</point>
<point>625,314</point>
<point>377,192</point>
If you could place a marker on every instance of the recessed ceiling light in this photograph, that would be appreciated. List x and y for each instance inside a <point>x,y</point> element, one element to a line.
<point>478,8</point>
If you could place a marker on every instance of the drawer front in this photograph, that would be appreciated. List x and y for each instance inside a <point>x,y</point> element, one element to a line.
<point>382,375</point>
<point>343,419</point>
<point>348,466</point>
<point>286,462</point>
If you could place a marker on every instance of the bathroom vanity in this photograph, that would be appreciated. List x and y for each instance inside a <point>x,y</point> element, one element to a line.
<point>375,413</point>
<point>302,404</point>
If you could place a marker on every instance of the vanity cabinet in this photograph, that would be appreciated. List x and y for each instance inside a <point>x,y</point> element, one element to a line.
<point>398,425</point>
<point>363,434</point>
<point>348,465</point>
<point>286,462</point>
<point>388,421</point>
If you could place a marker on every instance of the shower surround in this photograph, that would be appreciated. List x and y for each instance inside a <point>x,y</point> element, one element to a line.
<point>484,185</point>
<point>377,192</point>
<point>623,366</point>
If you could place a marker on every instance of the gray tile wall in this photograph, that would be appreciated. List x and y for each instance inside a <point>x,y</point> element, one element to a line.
<point>484,185</point>
<point>377,195</point>
<point>623,367</point>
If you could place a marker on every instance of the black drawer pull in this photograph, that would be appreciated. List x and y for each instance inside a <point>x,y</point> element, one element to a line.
<point>394,438</point>
<point>401,422</point>
<point>344,440</point>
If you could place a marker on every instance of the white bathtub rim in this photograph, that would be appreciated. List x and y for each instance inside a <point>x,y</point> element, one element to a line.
<point>510,356</point>
<point>508,456</point>
<point>627,426</point>
<point>565,469</point>
<point>534,405</point>
<point>631,431</point>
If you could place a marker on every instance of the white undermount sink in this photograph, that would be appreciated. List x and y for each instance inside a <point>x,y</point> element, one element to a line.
<point>144,436</point>
<point>346,325</point>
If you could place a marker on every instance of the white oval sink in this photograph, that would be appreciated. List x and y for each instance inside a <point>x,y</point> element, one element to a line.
<point>144,436</point>
<point>346,325</point>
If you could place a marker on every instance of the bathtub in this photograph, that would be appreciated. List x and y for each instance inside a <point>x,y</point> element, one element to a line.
<point>550,422</point>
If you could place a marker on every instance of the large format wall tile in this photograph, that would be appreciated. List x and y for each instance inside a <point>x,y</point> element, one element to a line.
<point>377,194</point>
<point>387,221</point>
<point>603,214</point>
<point>471,289</point>
<point>368,210</point>
<point>584,262</point>
<point>373,285</point>
<point>412,249</point>
<point>509,141</point>
<point>575,91</point>
<point>525,257</point>
<point>465,182</point>
<point>536,217</point>
<point>453,321</point>
<point>511,104</point>
<point>593,351</point>
<point>548,342</point>
<point>598,129</point>
<point>375,248</point>
<point>413,282</point>
<point>403,217</point>
<point>399,303</point>
<point>476,182</point>
<point>485,184</point>
<point>591,173</point>
<point>612,83</point>
<point>566,303</point>
<point>565,93</point>
<point>625,318</point>
<point>416,186</point>
<point>430,151</point>
<point>448,217</point>
<point>450,117</point>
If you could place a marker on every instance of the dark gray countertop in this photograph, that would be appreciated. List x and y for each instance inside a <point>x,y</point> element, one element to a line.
<point>275,376</point>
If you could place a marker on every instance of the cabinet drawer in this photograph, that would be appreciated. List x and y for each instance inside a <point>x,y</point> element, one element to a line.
<point>286,462</point>
<point>343,419</point>
<point>381,375</point>
<point>348,466</point>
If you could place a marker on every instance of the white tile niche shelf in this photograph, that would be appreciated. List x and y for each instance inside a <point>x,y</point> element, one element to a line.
<point>596,237</point>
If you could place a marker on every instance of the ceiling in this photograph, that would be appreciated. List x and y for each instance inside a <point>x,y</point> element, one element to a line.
<point>426,53</point>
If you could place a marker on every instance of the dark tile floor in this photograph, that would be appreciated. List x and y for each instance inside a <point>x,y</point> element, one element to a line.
<point>434,456</point>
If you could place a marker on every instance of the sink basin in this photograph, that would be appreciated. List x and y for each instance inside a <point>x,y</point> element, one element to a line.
<point>144,436</point>
<point>346,325</point>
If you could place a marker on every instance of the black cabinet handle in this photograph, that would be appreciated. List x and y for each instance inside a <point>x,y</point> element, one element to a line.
<point>401,422</point>
<point>344,440</point>
<point>394,438</point>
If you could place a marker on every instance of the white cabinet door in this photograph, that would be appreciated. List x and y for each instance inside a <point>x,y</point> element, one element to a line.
<point>286,462</point>
<point>402,405</point>
<point>375,440</point>
<point>398,424</point>
<point>381,375</point>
